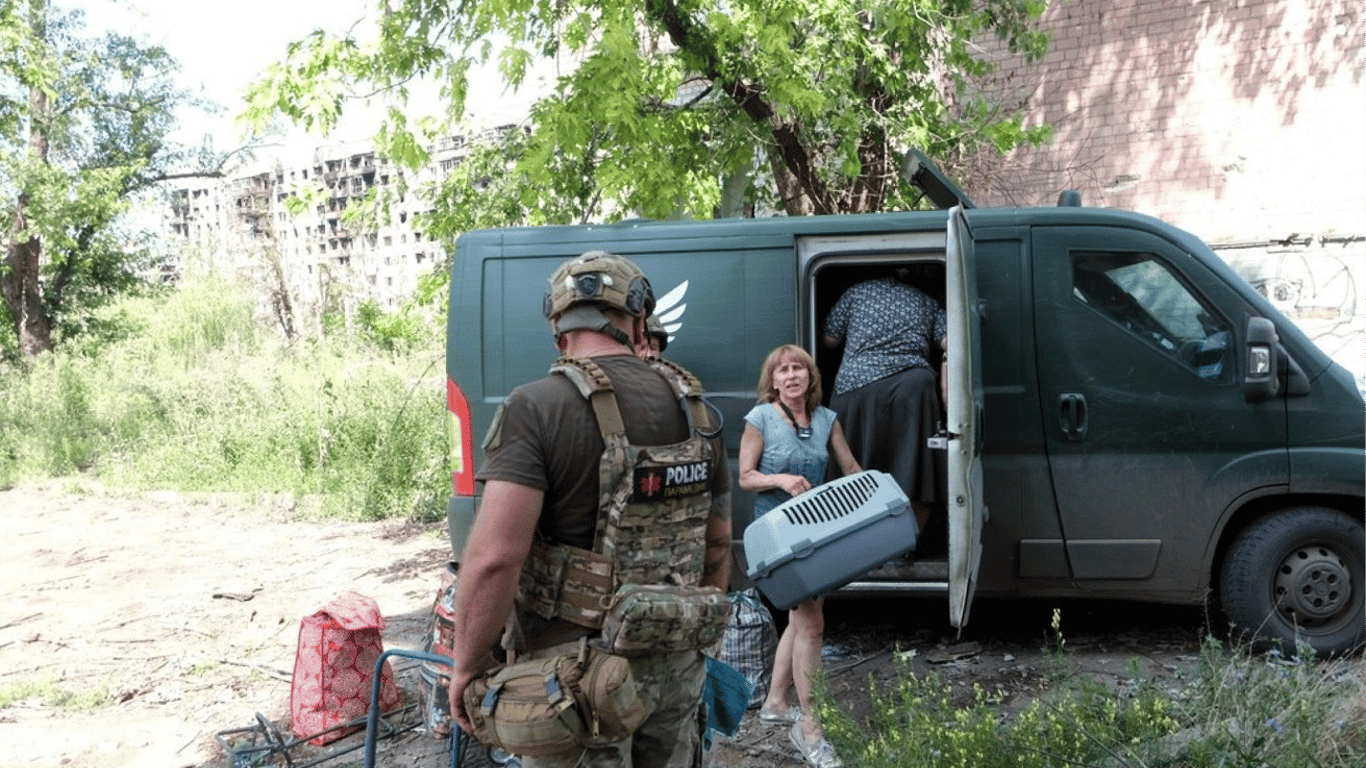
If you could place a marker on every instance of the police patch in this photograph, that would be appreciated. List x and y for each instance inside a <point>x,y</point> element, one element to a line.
<point>669,481</point>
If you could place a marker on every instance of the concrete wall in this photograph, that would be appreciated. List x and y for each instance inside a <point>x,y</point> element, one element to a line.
<point>1242,121</point>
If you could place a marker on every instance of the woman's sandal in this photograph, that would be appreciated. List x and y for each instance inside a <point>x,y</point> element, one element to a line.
<point>817,755</point>
<point>774,717</point>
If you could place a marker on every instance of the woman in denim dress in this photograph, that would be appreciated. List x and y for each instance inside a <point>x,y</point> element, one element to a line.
<point>788,440</point>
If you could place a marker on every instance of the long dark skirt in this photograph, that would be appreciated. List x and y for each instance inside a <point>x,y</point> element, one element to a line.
<point>887,423</point>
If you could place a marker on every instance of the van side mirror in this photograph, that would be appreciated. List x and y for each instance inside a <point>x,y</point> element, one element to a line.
<point>1260,380</point>
<point>1069,198</point>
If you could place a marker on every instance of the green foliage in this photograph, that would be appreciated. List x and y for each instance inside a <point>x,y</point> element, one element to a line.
<point>486,190</point>
<point>1239,711</point>
<point>203,398</point>
<point>1273,710</point>
<point>85,122</point>
<point>400,331</point>
<point>919,722</point>
<point>659,106</point>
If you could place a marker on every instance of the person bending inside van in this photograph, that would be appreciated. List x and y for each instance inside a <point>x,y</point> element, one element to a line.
<point>885,392</point>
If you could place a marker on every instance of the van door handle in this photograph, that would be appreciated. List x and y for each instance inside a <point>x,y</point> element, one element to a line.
<point>1073,415</point>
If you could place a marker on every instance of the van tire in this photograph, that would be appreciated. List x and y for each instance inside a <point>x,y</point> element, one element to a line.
<point>1297,575</point>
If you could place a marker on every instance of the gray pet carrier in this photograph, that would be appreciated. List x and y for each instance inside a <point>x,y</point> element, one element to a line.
<point>828,536</point>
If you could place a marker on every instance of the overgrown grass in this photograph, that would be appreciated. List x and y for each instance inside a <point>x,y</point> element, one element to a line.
<point>49,692</point>
<point>200,397</point>
<point>1273,710</point>
<point>1241,710</point>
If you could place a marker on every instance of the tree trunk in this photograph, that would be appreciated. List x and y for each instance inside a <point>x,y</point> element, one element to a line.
<point>277,288</point>
<point>22,291</point>
<point>20,284</point>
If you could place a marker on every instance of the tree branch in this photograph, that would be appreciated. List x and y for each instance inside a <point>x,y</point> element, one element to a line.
<point>785,136</point>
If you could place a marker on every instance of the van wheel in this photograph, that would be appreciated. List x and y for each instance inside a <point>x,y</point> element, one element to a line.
<point>1298,575</point>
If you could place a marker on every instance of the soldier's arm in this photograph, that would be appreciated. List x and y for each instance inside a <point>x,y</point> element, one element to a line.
<point>498,545</point>
<point>716,571</point>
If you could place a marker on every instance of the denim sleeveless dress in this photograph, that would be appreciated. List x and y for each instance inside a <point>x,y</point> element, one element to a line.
<point>785,453</point>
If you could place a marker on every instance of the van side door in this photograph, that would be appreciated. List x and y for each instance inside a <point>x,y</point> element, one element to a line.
<point>1148,433</point>
<point>967,510</point>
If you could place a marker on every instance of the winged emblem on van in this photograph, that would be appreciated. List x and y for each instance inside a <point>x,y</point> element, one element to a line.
<point>669,309</point>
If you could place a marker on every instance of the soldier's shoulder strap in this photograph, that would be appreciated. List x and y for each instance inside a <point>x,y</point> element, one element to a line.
<point>684,384</point>
<point>592,382</point>
<point>689,392</point>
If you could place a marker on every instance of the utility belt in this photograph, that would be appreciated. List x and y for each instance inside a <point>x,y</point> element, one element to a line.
<point>557,705</point>
<point>563,582</point>
<point>572,701</point>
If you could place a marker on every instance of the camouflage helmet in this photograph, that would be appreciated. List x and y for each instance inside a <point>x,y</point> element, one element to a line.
<point>601,278</point>
<point>656,329</point>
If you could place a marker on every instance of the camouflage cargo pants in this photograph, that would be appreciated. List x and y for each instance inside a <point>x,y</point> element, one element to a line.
<point>671,736</point>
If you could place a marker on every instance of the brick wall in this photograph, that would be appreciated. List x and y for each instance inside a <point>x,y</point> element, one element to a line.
<point>1241,121</point>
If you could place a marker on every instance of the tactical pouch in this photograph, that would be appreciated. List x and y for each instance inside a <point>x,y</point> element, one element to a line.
<point>557,705</point>
<point>614,709</point>
<point>564,582</point>
<point>646,618</point>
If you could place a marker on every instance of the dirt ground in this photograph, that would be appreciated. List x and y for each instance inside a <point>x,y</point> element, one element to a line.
<point>184,612</point>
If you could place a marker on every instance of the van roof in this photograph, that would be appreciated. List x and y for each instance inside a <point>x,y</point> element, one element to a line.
<point>624,233</point>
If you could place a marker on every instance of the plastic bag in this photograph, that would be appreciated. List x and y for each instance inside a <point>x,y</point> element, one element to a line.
<point>750,642</point>
<point>334,667</point>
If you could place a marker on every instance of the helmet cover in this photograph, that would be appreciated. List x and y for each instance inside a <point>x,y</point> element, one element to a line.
<point>599,277</point>
<point>656,329</point>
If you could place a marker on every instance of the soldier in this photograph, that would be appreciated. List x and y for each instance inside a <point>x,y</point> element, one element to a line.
<point>656,340</point>
<point>553,493</point>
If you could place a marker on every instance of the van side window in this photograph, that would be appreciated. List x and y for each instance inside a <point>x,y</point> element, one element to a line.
<point>1140,293</point>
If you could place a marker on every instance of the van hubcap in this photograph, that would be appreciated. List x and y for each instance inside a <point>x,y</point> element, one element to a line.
<point>1312,585</point>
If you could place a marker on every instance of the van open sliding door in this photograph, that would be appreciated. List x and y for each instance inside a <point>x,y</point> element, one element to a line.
<point>966,506</point>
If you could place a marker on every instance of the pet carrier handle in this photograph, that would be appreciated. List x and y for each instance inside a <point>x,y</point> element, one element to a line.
<point>798,550</point>
<point>372,716</point>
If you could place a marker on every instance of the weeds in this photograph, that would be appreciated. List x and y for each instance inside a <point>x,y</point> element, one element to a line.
<point>49,692</point>
<point>1240,711</point>
<point>1276,710</point>
<point>202,398</point>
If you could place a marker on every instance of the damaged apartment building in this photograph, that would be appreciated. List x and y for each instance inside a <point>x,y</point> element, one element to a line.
<point>315,260</point>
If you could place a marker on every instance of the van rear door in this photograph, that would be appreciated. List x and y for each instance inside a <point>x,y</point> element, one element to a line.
<point>966,507</point>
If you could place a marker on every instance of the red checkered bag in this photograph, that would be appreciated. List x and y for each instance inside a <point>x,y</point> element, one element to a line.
<point>334,668</point>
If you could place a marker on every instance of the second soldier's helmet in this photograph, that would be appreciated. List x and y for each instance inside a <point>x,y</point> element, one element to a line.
<point>656,329</point>
<point>600,278</point>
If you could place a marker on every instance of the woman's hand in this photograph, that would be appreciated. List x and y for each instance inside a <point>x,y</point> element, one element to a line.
<point>793,484</point>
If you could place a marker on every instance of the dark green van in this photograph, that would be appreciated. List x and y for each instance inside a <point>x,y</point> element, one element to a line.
<point>1091,453</point>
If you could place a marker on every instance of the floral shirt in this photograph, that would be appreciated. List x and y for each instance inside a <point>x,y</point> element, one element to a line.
<point>886,327</point>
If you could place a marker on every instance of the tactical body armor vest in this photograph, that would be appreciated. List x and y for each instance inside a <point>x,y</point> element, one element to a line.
<point>652,509</point>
